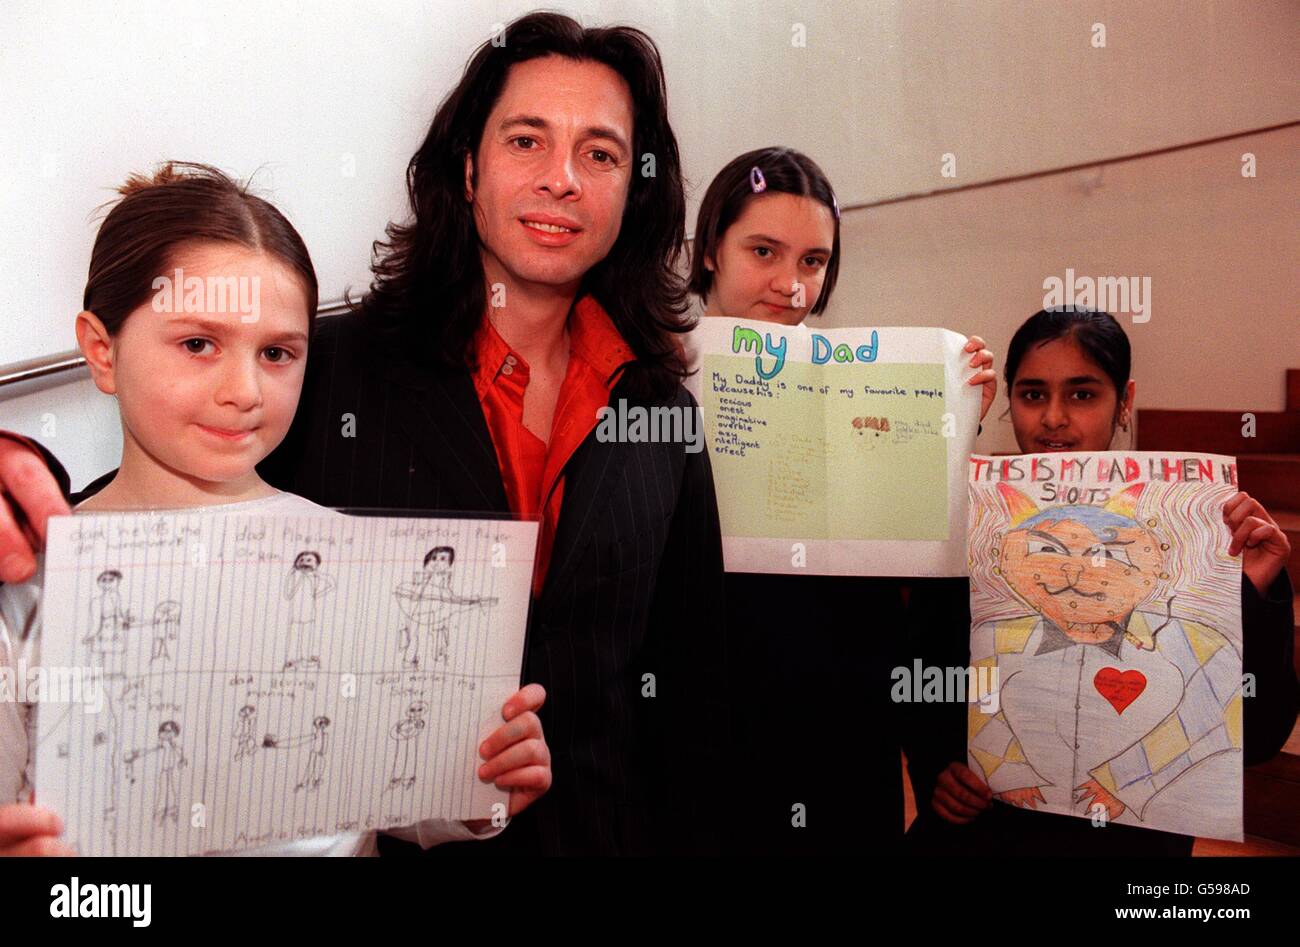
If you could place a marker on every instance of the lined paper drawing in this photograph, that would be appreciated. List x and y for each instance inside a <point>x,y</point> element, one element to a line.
<point>291,676</point>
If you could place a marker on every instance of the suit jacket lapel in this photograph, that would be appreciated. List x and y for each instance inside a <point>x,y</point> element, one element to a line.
<point>439,410</point>
<point>588,479</point>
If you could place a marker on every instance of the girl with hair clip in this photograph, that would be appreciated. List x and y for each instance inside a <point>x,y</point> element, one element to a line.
<point>767,247</point>
<point>1068,381</point>
<point>204,397</point>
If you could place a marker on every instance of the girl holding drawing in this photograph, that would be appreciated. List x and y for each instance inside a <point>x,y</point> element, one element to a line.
<point>1068,380</point>
<point>767,247</point>
<point>204,397</point>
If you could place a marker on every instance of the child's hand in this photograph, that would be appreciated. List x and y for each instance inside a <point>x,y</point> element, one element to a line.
<point>30,830</point>
<point>517,756</point>
<point>1263,546</point>
<point>986,376</point>
<point>960,795</point>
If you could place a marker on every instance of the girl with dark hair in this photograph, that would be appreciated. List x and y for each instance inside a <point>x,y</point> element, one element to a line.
<point>770,219</point>
<point>1068,381</point>
<point>1097,407</point>
<point>767,247</point>
<point>198,311</point>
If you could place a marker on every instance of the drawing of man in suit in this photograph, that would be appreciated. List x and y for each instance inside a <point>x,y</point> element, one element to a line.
<point>1103,702</point>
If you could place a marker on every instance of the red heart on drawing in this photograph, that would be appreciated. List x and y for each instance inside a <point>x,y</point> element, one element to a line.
<point>1121,688</point>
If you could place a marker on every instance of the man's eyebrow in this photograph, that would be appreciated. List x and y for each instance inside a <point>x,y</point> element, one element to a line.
<point>590,131</point>
<point>532,121</point>
<point>1048,537</point>
<point>604,131</point>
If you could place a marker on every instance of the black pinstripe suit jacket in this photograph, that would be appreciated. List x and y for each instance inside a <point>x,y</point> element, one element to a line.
<point>634,587</point>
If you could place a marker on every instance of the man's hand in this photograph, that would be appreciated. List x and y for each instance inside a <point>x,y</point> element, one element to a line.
<point>30,830</point>
<point>518,758</point>
<point>960,795</point>
<point>31,496</point>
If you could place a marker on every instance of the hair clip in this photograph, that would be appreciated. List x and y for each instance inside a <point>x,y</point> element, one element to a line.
<point>835,207</point>
<point>757,182</point>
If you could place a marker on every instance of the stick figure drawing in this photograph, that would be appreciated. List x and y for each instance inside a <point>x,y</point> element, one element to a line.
<point>305,585</point>
<point>171,761</point>
<point>432,606</point>
<point>318,737</point>
<point>407,756</point>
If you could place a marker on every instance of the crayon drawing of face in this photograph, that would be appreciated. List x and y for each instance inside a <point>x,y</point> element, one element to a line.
<point>1081,566</point>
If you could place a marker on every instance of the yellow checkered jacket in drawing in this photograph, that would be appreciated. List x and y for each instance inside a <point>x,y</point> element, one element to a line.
<point>1134,712</point>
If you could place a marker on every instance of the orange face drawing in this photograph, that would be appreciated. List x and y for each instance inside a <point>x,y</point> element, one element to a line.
<point>1081,566</point>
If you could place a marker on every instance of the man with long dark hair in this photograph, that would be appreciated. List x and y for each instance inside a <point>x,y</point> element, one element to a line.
<point>561,144</point>
<point>535,284</point>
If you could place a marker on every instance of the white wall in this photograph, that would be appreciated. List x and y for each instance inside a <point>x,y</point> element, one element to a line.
<point>327,101</point>
<point>1221,251</point>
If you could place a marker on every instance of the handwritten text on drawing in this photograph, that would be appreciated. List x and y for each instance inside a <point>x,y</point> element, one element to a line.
<point>747,340</point>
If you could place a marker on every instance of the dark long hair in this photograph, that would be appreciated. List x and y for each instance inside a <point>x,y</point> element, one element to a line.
<point>784,171</point>
<point>1098,334</point>
<point>428,289</point>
